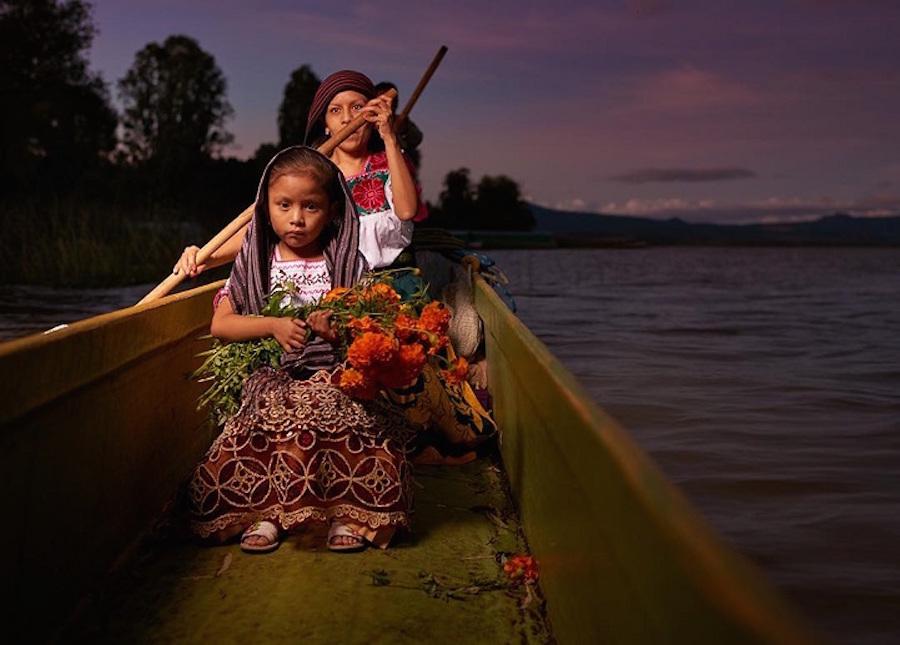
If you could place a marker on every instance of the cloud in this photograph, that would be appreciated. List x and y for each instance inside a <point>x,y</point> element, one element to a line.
<point>827,3</point>
<point>651,175</point>
<point>688,89</point>
<point>769,210</point>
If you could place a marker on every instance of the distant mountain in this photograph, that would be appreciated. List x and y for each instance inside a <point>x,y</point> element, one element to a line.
<point>593,229</point>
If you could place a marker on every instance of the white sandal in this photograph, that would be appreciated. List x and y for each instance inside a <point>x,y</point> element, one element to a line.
<point>264,529</point>
<point>342,530</point>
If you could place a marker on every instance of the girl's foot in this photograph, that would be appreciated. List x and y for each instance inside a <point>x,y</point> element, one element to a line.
<point>343,538</point>
<point>260,537</point>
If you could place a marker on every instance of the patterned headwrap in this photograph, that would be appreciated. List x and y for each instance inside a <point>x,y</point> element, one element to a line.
<point>332,86</point>
<point>249,281</point>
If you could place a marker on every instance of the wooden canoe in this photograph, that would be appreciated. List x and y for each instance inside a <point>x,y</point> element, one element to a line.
<point>98,425</point>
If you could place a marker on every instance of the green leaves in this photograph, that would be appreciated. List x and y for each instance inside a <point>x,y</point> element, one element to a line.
<point>226,367</point>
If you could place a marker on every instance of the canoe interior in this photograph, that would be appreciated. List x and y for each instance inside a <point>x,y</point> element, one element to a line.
<point>99,424</point>
<point>92,463</point>
<point>438,584</point>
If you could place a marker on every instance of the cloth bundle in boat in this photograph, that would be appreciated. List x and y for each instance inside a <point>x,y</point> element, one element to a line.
<point>466,332</point>
<point>449,415</point>
<point>452,283</point>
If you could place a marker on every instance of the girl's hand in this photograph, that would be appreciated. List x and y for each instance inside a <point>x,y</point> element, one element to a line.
<point>320,322</point>
<point>380,112</point>
<point>289,332</point>
<point>187,263</point>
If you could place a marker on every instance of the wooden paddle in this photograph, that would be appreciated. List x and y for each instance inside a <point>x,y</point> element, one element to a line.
<point>404,113</point>
<point>326,148</point>
<point>241,220</point>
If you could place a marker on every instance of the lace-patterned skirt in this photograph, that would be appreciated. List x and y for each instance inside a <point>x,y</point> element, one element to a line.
<point>300,451</point>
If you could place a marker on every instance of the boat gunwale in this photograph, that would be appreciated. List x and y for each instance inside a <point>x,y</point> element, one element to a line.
<point>725,579</point>
<point>67,368</point>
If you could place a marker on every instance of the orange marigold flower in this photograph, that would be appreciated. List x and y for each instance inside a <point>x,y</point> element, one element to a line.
<point>405,327</point>
<point>408,365</point>
<point>521,569</point>
<point>457,372</point>
<point>357,384</point>
<point>381,291</point>
<point>370,349</point>
<point>363,325</point>
<point>435,318</point>
<point>404,369</point>
<point>335,294</point>
<point>435,342</point>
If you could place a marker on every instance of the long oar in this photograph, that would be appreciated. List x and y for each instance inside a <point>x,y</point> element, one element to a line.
<point>404,113</point>
<point>241,220</point>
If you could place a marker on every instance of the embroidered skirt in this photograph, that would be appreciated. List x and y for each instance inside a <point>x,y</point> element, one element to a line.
<point>299,451</point>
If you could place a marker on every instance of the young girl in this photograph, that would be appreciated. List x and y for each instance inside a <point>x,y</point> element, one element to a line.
<point>299,450</point>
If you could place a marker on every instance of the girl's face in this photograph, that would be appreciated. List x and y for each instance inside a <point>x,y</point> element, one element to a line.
<point>342,109</point>
<point>299,211</point>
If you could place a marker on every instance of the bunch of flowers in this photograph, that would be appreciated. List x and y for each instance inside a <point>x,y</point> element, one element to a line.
<point>521,569</point>
<point>385,343</point>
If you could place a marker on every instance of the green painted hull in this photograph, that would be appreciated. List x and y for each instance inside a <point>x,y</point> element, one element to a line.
<point>99,424</point>
<point>624,557</point>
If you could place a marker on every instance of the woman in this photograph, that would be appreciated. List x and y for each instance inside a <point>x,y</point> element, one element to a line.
<point>379,174</point>
<point>382,183</point>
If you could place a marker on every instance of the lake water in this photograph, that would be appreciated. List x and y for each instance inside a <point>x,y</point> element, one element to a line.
<point>764,382</point>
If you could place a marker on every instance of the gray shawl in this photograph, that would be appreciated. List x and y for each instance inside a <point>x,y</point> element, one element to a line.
<point>249,280</point>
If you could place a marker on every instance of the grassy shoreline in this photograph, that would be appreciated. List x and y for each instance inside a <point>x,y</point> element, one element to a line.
<point>69,244</point>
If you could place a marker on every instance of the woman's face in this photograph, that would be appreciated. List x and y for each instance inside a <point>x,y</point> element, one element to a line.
<point>341,110</point>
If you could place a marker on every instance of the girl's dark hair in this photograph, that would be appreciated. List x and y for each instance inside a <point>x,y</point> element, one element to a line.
<point>304,161</point>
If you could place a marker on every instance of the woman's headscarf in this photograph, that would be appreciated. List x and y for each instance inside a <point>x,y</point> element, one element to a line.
<point>332,86</point>
<point>249,281</point>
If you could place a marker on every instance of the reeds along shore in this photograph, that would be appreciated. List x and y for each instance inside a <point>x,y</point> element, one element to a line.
<point>80,245</point>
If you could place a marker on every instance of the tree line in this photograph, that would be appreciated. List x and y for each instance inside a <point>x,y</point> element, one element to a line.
<point>164,152</point>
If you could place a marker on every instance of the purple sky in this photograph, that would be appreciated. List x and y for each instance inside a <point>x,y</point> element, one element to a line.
<point>713,110</point>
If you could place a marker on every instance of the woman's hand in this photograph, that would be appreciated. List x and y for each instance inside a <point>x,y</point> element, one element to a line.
<point>187,263</point>
<point>320,322</point>
<point>380,112</point>
<point>291,333</point>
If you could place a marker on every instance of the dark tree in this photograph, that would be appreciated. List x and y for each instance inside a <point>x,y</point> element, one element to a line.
<point>500,205</point>
<point>495,204</point>
<point>298,97</point>
<point>174,106</point>
<point>57,122</point>
<point>456,205</point>
<point>263,155</point>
